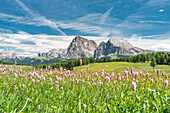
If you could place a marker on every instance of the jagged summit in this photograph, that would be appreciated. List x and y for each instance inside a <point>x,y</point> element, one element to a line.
<point>81,47</point>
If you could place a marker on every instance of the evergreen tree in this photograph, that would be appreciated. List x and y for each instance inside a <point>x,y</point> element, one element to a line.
<point>153,62</point>
<point>105,60</point>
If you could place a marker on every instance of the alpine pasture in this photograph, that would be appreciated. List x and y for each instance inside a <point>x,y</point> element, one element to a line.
<point>95,88</point>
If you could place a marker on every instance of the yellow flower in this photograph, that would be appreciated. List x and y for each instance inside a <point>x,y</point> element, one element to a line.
<point>137,96</point>
<point>127,97</point>
<point>54,106</point>
<point>7,107</point>
<point>166,95</point>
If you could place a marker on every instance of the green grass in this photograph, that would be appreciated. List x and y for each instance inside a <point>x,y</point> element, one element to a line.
<point>107,98</point>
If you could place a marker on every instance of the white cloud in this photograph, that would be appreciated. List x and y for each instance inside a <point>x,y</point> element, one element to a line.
<point>146,42</point>
<point>1,50</point>
<point>160,47</point>
<point>32,18</point>
<point>161,10</point>
<point>40,20</point>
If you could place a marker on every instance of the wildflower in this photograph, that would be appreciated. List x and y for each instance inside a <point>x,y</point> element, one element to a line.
<point>33,80</point>
<point>166,76</point>
<point>163,73</point>
<point>62,88</point>
<point>57,87</point>
<point>80,62</point>
<point>87,67</point>
<point>14,87</point>
<point>151,90</point>
<point>133,85</point>
<point>158,72</point>
<point>154,70</point>
<point>7,107</point>
<point>117,88</point>
<point>166,84</point>
<point>50,79</point>
<point>151,80</point>
<point>38,108</point>
<point>84,107</point>
<point>96,74</point>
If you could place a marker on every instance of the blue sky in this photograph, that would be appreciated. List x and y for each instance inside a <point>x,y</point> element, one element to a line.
<point>31,26</point>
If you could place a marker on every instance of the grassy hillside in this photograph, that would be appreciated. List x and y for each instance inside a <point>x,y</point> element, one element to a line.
<point>121,66</point>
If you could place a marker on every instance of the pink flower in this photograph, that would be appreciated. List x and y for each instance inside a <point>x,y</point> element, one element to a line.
<point>57,88</point>
<point>117,88</point>
<point>41,83</point>
<point>107,96</point>
<point>163,73</point>
<point>96,74</point>
<point>50,79</point>
<point>87,67</point>
<point>140,73</point>
<point>154,70</point>
<point>33,80</point>
<point>81,71</point>
<point>151,80</point>
<point>48,67</point>
<point>147,74</point>
<point>80,62</point>
<point>62,88</point>
<point>38,108</point>
<point>114,82</point>
<point>158,72</point>
<point>84,107</point>
<point>133,85</point>
<point>136,81</point>
<point>166,82</point>
<point>166,76</point>
<point>14,87</point>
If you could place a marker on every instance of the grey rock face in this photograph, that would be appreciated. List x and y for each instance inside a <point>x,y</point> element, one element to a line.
<point>116,46</point>
<point>54,53</point>
<point>81,47</point>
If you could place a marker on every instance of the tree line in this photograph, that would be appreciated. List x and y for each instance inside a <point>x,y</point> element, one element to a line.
<point>160,58</point>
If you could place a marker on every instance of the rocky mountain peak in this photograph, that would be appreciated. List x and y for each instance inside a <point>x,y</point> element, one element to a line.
<point>118,42</point>
<point>81,47</point>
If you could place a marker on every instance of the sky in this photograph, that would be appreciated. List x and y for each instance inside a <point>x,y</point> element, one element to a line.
<point>32,26</point>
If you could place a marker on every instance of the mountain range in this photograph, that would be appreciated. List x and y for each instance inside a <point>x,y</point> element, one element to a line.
<point>81,47</point>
